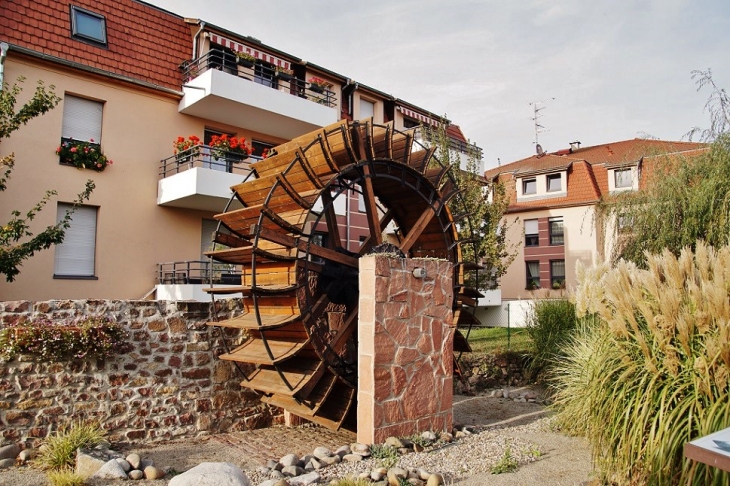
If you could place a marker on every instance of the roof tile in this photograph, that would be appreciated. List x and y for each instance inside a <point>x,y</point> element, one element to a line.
<point>37,21</point>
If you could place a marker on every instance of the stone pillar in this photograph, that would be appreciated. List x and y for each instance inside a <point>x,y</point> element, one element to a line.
<point>405,341</point>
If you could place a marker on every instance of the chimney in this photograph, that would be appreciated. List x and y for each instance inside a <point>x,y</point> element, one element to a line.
<point>574,146</point>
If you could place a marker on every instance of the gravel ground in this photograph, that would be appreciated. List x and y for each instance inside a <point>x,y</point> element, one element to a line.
<point>545,457</point>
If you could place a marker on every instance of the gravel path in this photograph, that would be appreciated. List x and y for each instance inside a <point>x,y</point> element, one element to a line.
<point>545,457</point>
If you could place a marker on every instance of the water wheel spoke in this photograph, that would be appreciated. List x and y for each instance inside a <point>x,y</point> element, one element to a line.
<point>369,242</point>
<point>421,224</point>
<point>371,208</point>
<point>334,241</point>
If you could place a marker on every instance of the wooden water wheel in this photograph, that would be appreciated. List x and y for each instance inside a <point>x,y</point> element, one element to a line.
<point>300,288</point>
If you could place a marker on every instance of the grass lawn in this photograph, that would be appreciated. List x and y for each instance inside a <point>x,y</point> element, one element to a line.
<point>491,339</point>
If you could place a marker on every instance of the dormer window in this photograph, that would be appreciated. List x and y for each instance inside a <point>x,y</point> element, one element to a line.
<point>529,186</point>
<point>622,178</point>
<point>554,183</point>
<point>88,26</point>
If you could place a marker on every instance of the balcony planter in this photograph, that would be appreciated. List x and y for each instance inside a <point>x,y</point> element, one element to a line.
<point>317,88</point>
<point>82,155</point>
<point>245,60</point>
<point>284,76</point>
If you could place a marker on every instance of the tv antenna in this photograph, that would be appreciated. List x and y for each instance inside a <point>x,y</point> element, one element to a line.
<point>536,109</point>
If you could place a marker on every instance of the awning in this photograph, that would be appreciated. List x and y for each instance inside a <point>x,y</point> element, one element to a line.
<point>238,47</point>
<point>422,118</point>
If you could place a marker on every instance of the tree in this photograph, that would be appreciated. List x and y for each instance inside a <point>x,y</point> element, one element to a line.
<point>483,223</point>
<point>686,200</point>
<point>17,242</point>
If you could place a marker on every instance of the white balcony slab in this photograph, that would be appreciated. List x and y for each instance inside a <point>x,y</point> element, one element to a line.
<point>198,188</point>
<point>175,292</point>
<point>226,98</point>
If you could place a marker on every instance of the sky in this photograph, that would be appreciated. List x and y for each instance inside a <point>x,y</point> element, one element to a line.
<point>599,70</point>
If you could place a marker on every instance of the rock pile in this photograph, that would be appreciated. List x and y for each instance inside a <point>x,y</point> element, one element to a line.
<point>104,463</point>
<point>323,463</point>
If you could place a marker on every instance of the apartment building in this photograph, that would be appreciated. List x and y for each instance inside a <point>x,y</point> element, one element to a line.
<point>553,198</point>
<point>134,80</point>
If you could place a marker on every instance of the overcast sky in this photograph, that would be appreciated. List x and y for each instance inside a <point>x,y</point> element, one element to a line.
<point>602,70</point>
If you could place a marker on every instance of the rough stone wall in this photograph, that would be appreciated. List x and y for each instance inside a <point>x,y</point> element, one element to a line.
<point>405,341</point>
<point>169,385</point>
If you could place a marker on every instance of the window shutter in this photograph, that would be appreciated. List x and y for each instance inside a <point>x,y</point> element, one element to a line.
<point>81,119</point>
<point>367,109</point>
<point>75,256</point>
<point>531,227</point>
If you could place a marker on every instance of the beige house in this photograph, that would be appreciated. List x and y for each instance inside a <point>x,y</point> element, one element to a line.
<point>553,198</point>
<point>133,79</point>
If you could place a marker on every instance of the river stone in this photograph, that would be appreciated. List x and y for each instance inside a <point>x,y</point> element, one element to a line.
<point>305,479</point>
<point>9,451</point>
<point>136,474</point>
<point>152,472</point>
<point>320,452</point>
<point>110,470</point>
<point>395,474</point>
<point>271,464</point>
<point>6,463</point>
<point>315,464</point>
<point>343,450</point>
<point>25,455</point>
<point>87,465</point>
<point>289,460</point>
<point>435,480</point>
<point>125,464</point>
<point>292,471</point>
<point>378,474</point>
<point>212,474</point>
<point>362,449</point>
<point>352,458</point>
<point>134,460</point>
<point>329,461</point>
<point>429,436</point>
<point>276,474</point>
<point>394,442</point>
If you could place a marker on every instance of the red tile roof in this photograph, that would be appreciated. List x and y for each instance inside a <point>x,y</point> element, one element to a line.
<point>587,169</point>
<point>454,132</point>
<point>144,42</point>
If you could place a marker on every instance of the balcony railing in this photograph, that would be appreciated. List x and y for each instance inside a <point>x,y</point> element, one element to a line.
<point>456,145</point>
<point>201,156</point>
<point>197,272</point>
<point>258,72</point>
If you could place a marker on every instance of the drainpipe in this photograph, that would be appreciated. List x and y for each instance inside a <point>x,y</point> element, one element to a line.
<point>3,53</point>
<point>195,37</point>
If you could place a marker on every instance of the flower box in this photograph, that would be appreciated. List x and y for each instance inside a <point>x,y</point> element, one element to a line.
<point>245,60</point>
<point>82,155</point>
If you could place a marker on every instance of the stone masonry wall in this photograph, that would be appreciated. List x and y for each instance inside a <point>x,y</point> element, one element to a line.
<point>169,385</point>
<point>405,340</point>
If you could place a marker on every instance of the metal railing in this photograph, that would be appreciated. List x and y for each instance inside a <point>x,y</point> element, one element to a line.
<point>259,72</point>
<point>198,272</point>
<point>454,144</point>
<point>202,156</point>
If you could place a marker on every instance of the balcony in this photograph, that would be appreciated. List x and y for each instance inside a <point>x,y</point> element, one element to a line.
<point>194,179</point>
<point>462,150</point>
<point>186,280</point>
<point>255,97</point>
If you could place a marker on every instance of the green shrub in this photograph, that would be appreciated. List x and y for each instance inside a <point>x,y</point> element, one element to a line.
<point>649,368</point>
<point>64,477</point>
<point>506,464</point>
<point>385,455</point>
<point>59,451</point>
<point>550,325</point>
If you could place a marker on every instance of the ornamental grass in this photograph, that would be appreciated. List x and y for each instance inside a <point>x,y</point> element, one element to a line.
<point>648,369</point>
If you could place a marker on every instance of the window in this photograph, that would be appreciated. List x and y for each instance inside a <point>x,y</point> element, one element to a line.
<point>410,123</point>
<point>263,73</point>
<point>81,120</point>
<point>625,223</point>
<point>622,178</point>
<point>531,233</point>
<point>556,231</point>
<point>533,275</point>
<point>88,26</point>
<point>259,147</point>
<point>367,109</point>
<point>529,186</point>
<point>557,273</point>
<point>554,182</point>
<point>75,257</point>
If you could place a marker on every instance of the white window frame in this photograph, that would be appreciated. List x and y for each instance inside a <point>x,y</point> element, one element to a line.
<point>527,181</point>
<point>554,177</point>
<point>532,228</point>
<point>76,256</point>
<point>627,179</point>
<point>77,32</point>
<point>613,174</point>
<point>362,116</point>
